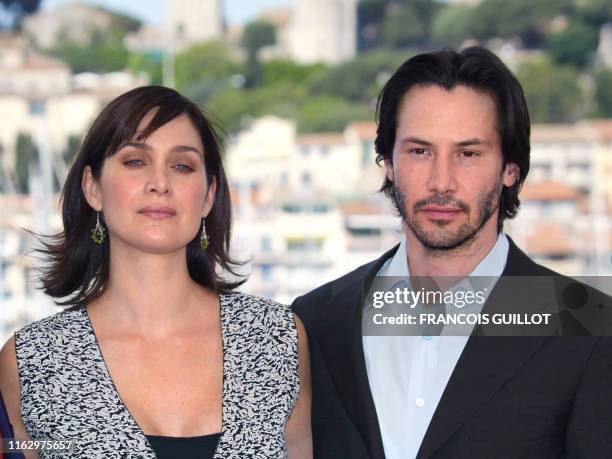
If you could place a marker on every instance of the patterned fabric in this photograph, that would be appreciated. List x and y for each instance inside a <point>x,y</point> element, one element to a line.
<point>67,392</point>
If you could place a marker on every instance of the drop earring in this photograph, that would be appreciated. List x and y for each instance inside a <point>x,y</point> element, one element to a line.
<point>204,241</point>
<point>98,234</point>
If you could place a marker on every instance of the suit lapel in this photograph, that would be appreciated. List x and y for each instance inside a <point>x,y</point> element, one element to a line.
<point>484,366</point>
<point>342,348</point>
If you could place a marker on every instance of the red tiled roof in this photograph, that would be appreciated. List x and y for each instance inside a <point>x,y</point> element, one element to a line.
<point>548,191</point>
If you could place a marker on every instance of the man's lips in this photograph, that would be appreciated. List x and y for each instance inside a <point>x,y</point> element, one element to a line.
<point>441,212</point>
<point>441,209</point>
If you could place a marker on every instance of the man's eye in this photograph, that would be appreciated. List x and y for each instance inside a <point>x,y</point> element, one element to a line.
<point>418,151</point>
<point>469,154</point>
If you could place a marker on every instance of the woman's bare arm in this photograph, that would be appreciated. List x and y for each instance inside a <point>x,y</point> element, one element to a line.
<point>298,432</point>
<point>11,392</point>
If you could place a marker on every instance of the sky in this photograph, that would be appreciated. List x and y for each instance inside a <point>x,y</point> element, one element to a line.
<point>152,11</point>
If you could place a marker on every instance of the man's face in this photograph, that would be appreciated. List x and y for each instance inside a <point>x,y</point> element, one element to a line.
<point>447,165</point>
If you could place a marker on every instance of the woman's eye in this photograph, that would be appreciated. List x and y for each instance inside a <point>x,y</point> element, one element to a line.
<point>184,168</point>
<point>132,162</point>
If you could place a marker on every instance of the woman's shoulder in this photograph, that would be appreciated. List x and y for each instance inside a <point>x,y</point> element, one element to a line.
<point>253,302</point>
<point>257,310</point>
<point>49,329</point>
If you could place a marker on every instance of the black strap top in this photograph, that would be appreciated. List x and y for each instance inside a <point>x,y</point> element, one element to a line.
<point>202,447</point>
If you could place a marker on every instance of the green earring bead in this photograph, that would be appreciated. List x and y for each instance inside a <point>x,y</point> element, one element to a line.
<point>204,241</point>
<point>98,234</point>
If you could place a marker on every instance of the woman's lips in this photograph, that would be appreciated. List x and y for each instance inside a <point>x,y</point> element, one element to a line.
<point>156,215</point>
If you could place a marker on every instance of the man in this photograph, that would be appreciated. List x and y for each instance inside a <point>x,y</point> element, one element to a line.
<point>453,133</point>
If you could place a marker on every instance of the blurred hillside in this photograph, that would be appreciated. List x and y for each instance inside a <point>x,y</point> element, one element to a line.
<point>561,50</point>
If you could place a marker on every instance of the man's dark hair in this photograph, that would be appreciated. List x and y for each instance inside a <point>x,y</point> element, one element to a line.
<point>476,68</point>
<point>78,268</point>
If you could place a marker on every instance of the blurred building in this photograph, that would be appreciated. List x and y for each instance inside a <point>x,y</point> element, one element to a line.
<point>321,31</point>
<point>191,21</point>
<point>307,210</point>
<point>39,96</point>
<point>289,186</point>
<point>604,49</point>
<point>73,22</point>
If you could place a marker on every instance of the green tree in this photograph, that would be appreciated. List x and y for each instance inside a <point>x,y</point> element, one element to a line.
<point>402,27</point>
<point>330,114</point>
<point>27,153</point>
<point>553,93</point>
<point>574,45</point>
<point>205,69</point>
<point>595,12</point>
<point>255,36</point>
<point>371,15</point>
<point>408,22</point>
<point>13,11</point>
<point>517,18</point>
<point>280,71</point>
<point>453,25</point>
<point>234,108</point>
<point>603,93</point>
<point>360,79</point>
<point>149,64</point>
<point>72,148</point>
<point>104,53</point>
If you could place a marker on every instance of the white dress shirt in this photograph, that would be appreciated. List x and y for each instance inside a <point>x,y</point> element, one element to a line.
<point>408,374</point>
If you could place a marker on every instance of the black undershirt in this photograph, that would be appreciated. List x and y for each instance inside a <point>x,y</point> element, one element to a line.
<point>202,447</point>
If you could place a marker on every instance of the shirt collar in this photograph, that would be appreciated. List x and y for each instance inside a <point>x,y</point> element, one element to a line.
<point>492,265</point>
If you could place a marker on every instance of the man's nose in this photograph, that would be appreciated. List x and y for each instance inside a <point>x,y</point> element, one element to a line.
<point>442,175</point>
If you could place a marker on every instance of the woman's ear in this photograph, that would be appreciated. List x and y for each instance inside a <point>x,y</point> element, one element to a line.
<point>91,189</point>
<point>209,200</point>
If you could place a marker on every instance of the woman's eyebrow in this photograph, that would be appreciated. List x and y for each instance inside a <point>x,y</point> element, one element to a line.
<point>146,147</point>
<point>186,148</point>
<point>137,145</point>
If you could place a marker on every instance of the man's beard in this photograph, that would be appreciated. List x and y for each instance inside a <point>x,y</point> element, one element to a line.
<point>440,241</point>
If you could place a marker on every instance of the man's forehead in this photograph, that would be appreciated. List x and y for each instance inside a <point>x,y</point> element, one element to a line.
<point>462,111</point>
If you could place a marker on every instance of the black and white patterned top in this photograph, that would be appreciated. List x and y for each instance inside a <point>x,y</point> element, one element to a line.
<point>67,392</point>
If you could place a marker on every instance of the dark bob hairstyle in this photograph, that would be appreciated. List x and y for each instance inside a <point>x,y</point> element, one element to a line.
<point>79,268</point>
<point>476,68</point>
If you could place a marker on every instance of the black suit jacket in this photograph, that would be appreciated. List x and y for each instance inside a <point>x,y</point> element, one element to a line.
<point>508,397</point>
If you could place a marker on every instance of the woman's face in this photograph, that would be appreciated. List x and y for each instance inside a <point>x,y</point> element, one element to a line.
<point>154,192</point>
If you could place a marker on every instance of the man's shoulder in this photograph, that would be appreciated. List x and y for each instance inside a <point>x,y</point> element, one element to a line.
<point>583,308</point>
<point>307,305</point>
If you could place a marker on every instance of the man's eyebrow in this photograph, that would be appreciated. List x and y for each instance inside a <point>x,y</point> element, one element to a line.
<point>416,140</point>
<point>473,141</point>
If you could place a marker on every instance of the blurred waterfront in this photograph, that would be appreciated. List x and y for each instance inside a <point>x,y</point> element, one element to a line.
<point>295,90</point>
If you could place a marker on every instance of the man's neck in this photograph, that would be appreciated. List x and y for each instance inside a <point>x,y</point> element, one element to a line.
<point>458,262</point>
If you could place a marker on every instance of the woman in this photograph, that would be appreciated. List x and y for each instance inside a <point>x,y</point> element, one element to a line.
<point>157,357</point>
<point>6,433</point>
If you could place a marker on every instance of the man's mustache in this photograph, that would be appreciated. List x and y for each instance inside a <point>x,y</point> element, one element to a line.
<point>441,201</point>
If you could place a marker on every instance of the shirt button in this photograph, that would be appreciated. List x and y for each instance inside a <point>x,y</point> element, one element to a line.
<point>420,402</point>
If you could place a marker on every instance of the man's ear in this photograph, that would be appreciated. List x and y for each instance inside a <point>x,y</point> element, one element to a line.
<point>510,174</point>
<point>209,200</point>
<point>91,189</point>
<point>389,170</point>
